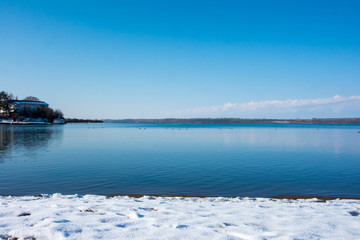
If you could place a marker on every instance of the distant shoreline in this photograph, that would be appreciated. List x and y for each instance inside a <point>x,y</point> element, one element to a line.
<point>76,120</point>
<point>239,120</point>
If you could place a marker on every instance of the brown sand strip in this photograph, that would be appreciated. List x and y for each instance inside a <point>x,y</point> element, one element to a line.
<point>324,198</point>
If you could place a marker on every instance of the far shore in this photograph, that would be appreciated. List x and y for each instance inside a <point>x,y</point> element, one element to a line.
<point>210,120</point>
<point>239,120</point>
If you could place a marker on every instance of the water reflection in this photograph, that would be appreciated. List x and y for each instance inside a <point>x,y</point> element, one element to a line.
<point>309,139</point>
<point>16,139</point>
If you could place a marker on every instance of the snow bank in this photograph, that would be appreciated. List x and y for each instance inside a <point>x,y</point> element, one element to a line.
<point>97,217</point>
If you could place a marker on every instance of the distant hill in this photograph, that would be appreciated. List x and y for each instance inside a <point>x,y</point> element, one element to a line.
<point>239,120</point>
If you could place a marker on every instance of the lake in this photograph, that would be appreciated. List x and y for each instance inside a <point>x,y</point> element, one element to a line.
<point>255,160</point>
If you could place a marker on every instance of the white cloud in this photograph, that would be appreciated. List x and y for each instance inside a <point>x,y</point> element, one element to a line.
<point>336,106</point>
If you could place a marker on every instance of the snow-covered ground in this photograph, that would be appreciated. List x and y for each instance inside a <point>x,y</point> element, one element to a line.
<point>98,217</point>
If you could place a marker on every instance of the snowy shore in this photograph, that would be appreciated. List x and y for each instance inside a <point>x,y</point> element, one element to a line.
<point>98,217</point>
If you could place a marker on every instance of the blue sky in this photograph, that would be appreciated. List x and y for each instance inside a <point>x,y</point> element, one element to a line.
<point>156,59</point>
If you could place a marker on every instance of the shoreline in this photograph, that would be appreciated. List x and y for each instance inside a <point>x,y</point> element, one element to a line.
<point>290,197</point>
<point>281,197</point>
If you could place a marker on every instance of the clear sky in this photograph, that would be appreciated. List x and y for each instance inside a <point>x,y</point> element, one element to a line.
<point>156,59</point>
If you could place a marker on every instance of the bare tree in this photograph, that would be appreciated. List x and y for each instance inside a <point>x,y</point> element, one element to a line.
<point>58,114</point>
<point>31,98</point>
<point>4,106</point>
<point>49,114</point>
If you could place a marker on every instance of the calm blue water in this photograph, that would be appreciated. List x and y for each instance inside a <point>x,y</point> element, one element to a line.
<point>181,159</point>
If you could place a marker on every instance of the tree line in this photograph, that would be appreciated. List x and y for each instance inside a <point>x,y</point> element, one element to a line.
<point>6,112</point>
